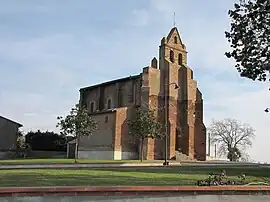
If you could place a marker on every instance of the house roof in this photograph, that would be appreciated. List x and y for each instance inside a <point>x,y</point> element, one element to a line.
<point>110,82</point>
<point>20,125</point>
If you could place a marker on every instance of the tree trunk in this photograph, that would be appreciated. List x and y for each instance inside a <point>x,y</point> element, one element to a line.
<point>142,149</point>
<point>76,151</point>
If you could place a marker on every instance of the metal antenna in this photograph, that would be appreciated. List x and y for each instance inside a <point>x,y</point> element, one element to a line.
<point>174,23</point>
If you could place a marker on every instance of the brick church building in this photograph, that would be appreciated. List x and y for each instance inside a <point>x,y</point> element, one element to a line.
<point>112,103</point>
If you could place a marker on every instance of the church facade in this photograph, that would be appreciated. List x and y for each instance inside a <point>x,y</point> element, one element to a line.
<point>112,103</point>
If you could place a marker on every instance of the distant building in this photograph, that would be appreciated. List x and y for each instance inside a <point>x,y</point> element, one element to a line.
<point>113,102</point>
<point>8,133</point>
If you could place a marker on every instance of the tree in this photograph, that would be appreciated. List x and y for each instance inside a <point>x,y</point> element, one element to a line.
<point>232,137</point>
<point>234,154</point>
<point>45,141</point>
<point>20,140</point>
<point>250,38</point>
<point>246,158</point>
<point>144,125</point>
<point>78,123</point>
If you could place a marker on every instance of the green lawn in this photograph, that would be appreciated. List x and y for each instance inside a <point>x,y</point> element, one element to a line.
<point>66,161</point>
<point>123,176</point>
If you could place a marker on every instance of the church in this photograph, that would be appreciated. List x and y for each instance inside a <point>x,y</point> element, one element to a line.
<point>165,86</point>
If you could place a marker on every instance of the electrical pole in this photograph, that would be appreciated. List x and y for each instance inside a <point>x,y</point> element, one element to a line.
<point>209,144</point>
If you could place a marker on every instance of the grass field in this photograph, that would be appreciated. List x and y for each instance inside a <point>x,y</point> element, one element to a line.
<point>123,176</point>
<point>67,161</point>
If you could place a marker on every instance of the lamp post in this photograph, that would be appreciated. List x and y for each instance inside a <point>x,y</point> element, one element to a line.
<point>267,110</point>
<point>166,163</point>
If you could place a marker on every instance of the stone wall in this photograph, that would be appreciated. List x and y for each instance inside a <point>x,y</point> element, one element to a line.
<point>121,93</point>
<point>47,154</point>
<point>6,155</point>
<point>103,136</point>
<point>100,143</point>
<point>111,140</point>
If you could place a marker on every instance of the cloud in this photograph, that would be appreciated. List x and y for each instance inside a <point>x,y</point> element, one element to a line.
<point>141,18</point>
<point>34,110</point>
<point>245,106</point>
<point>202,34</point>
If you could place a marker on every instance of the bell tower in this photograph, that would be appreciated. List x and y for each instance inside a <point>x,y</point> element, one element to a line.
<point>172,49</point>
<point>181,102</point>
<point>172,56</point>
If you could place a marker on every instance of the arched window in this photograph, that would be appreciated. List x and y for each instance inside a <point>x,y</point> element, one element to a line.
<point>175,39</point>
<point>109,104</point>
<point>180,59</point>
<point>171,56</point>
<point>92,107</point>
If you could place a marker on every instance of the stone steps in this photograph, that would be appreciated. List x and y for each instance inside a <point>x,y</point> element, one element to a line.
<point>182,157</point>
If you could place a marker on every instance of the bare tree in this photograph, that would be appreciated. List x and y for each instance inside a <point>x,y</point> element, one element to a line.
<point>232,137</point>
<point>246,158</point>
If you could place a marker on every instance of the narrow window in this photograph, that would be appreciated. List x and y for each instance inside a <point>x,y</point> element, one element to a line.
<point>92,107</point>
<point>109,104</point>
<point>120,95</point>
<point>175,39</point>
<point>171,56</point>
<point>180,59</point>
<point>131,93</point>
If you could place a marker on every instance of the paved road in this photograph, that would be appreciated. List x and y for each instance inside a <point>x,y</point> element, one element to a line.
<point>81,165</point>
<point>110,165</point>
<point>147,198</point>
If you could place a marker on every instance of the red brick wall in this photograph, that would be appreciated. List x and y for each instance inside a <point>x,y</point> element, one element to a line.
<point>200,142</point>
<point>193,137</point>
<point>193,141</point>
<point>187,142</point>
<point>123,141</point>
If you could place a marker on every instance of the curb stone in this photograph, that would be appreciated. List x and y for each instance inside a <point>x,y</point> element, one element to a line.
<point>133,189</point>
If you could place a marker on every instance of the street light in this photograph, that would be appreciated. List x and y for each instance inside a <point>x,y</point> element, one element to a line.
<point>267,110</point>
<point>166,163</point>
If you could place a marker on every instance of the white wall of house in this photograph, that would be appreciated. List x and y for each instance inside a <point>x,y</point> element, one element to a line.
<point>96,155</point>
<point>107,155</point>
